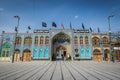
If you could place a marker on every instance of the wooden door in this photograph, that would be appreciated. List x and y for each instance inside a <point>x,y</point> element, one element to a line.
<point>16,57</point>
<point>97,57</point>
<point>26,56</point>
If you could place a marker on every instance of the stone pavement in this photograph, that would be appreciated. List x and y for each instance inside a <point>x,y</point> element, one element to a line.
<point>60,70</point>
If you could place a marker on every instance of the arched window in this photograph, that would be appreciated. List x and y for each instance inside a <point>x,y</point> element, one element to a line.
<point>28,41</point>
<point>36,40</point>
<point>96,41</point>
<point>96,51</point>
<point>41,40</point>
<point>75,40</point>
<point>86,40</point>
<point>18,40</point>
<point>81,40</point>
<point>47,40</point>
<point>105,41</point>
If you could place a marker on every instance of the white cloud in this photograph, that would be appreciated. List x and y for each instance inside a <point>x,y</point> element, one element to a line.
<point>76,17</point>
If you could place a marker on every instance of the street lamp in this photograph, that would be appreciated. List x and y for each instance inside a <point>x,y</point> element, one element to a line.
<point>1,43</point>
<point>17,17</point>
<point>109,17</point>
<point>16,30</point>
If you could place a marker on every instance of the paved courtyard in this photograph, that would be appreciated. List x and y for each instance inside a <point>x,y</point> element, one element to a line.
<point>60,70</point>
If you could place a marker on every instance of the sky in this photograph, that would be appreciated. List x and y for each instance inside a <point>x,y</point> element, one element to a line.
<point>92,13</point>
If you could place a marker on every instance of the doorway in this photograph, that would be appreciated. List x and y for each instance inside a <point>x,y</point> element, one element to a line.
<point>26,55</point>
<point>17,55</point>
<point>60,53</point>
<point>107,55</point>
<point>97,55</point>
<point>60,45</point>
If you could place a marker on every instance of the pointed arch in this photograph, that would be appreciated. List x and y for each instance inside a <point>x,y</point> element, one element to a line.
<point>26,55</point>
<point>28,41</point>
<point>18,40</point>
<point>86,40</point>
<point>60,39</point>
<point>81,40</point>
<point>75,40</point>
<point>36,40</point>
<point>46,40</point>
<point>17,55</point>
<point>105,41</point>
<point>41,40</point>
<point>96,41</point>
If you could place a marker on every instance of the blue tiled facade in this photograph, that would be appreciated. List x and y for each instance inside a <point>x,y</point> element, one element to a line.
<point>44,44</point>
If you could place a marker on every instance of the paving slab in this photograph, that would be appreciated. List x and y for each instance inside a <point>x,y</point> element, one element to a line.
<point>60,70</point>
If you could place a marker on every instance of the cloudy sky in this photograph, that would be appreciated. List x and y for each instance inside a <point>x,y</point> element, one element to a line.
<point>92,13</point>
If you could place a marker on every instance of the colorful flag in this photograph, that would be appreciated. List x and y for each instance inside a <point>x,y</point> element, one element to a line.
<point>54,24</point>
<point>83,26</point>
<point>44,24</point>
<point>62,25</point>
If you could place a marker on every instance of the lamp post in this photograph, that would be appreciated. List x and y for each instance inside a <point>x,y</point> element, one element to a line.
<point>111,52</point>
<point>16,30</point>
<point>1,43</point>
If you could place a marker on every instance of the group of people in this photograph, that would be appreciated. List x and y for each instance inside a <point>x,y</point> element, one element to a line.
<point>61,57</point>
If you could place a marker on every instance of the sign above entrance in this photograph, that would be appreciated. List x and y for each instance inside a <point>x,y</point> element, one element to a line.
<point>41,31</point>
<point>81,31</point>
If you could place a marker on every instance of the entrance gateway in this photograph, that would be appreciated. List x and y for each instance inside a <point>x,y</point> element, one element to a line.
<point>61,48</point>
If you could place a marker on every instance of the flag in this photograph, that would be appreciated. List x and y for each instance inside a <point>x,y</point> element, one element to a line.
<point>62,25</point>
<point>3,32</point>
<point>54,24</point>
<point>83,26</point>
<point>70,26</point>
<point>112,15</point>
<point>29,27</point>
<point>90,29</point>
<point>98,30</point>
<point>44,24</point>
